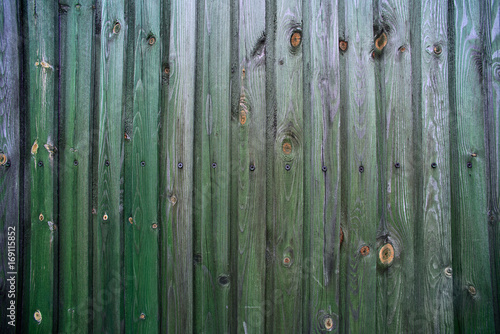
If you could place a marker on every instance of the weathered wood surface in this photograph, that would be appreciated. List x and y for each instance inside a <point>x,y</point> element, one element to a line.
<point>76,99</point>
<point>141,234</point>
<point>435,283</point>
<point>108,313</point>
<point>361,171</point>
<point>177,161</point>
<point>249,172</point>
<point>396,141</point>
<point>41,66</point>
<point>473,299</point>
<point>212,280</point>
<point>10,168</point>
<point>251,166</point>
<point>322,191</point>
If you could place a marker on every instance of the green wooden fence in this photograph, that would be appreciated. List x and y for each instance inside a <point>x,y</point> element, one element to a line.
<point>249,166</point>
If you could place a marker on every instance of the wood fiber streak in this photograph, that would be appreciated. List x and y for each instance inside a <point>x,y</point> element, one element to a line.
<point>399,168</point>
<point>361,172</point>
<point>141,235</point>
<point>212,276</point>
<point>108,310</point>
<point>41,64</point>
<point>435,259</point>
<point>286,243</point>
<point>76,99</point>
<point>250,134</point>
<point>322,190</point>
<point>10,233</point>
<point>177,183</point>
<point>471,263</point>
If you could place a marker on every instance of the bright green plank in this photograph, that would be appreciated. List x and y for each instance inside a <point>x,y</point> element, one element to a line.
<point>212,280</point>
<point>41,67</point>
<point>286,227</point>
<point>107,265</point>
<point>10,234</point>
<point>399,181</point>
<point>76,96</point>
<point>141,241</point>
<point>434,260</point>
<point>177,183</point>
<point>361,191</point>
<point>471,262</point>
<point>322,192</point>
<point>250,133</point>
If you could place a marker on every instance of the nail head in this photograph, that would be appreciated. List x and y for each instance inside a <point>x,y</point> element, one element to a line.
<point>288,167</point>
<point>469,165</point>
<point>106,163</point>
<point>75,162</point>
<point>434,165</point>
<point>324,169</point>
<point>397,165</point>
<point>252,168</point>
<point>180,165</point>
<point>361,169</point>
<point>214,165</point>
<point>40,163</point>
<point>143,163</point>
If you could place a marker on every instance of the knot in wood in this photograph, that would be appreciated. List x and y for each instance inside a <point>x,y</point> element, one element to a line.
<point>328,323</point>
<point>381,42</point>
<point>438,49</point>
<point>38,316</point>
<point>287,148</point>
<point>117,27</point>
<point>142,316</point>
<point>3,159</point>
<point>343,45</point>
<point>130,220</point>
<point>40,217</point>
<point>154,226</point>
<point>365,250</point>
<point>296,39</point>
<point>151,40</point>
<point>386,254</point>
<point>472,290</point>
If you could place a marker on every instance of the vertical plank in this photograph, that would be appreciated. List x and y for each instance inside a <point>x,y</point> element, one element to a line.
<point>472,281</point>
<point>108,232</point>
<point>212,279</point>
<point>433,254</point>
<point>491,78</point>
<point>141,242</point>
<point>42,138</point>
<point>10,168</point>
<point>395,236</point>
<point>286,226</point>
<point>361,170</point>
<point>250,135</point>
<point>322,191</point>
<point>177,161</point>
<point>76,99</point>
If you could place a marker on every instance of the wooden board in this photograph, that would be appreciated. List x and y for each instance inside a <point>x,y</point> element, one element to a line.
<point>76,19</point>
<point>41,67</point>
<point>360,170</point>
<point>142,228</point>
<point>396,139</point>
<point>249,136</point>
<point>285,227</point>
<point>471,262</point>
<point>211,235</point>
<point>107,230</point>
<point>176,151</point>
<point>10,169</point>
<point>434,284</point>
<point>322,191</point>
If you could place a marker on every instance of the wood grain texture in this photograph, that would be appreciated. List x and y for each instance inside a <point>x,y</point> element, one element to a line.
<point>76,21</point>
<point>435,260</point>
<point>107,230</point>
<point>141,235</point>
<point>41,64</point>
<point>286,233</point>
<point>211,237</point>
<point>10,233</point>
<point>361,191</point>
<point>322,191</point>
<point>250,134</point>
<point>397,168</point>
<point>177,183</point>
<point>471,263</point>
